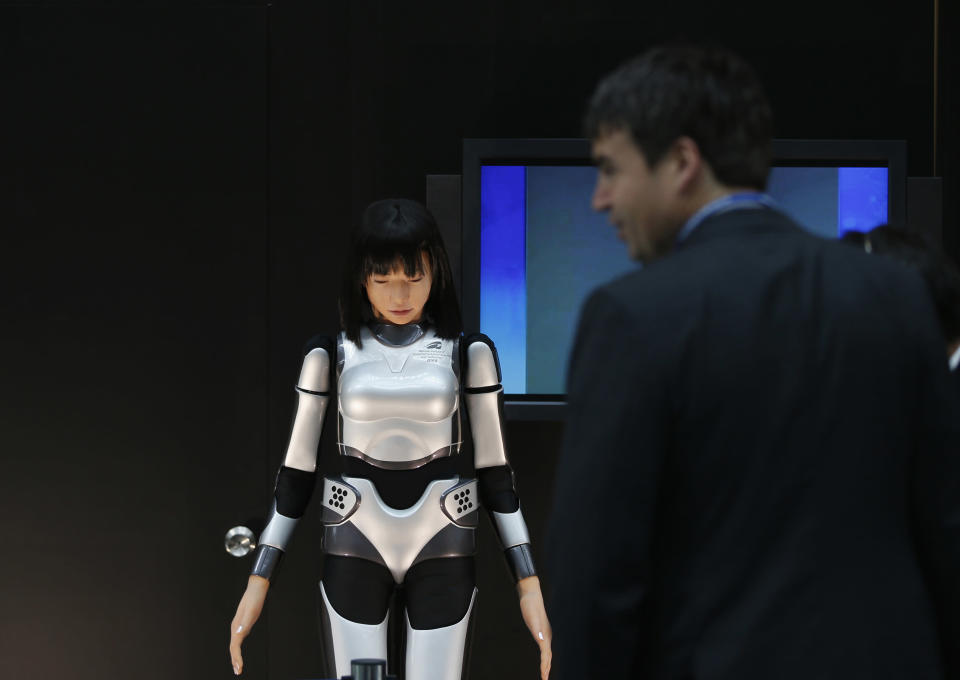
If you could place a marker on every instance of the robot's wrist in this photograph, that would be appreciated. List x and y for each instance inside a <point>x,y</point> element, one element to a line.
<point>520,561</point>
<point>267,561</point>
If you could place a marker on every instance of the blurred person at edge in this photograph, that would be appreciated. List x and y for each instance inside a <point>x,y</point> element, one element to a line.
<point>938,271</point>
<point>759,476</point>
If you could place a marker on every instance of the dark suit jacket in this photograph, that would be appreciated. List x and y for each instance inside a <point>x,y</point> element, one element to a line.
<point>759,476</point>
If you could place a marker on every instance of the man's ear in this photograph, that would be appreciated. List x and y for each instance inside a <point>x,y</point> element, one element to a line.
<point>688,163</point>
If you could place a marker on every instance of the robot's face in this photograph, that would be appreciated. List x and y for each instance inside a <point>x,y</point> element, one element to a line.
<point>397,298</point>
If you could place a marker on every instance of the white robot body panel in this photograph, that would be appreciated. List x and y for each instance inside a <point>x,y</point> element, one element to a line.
<point>312,397</point>
<point>315,371</point>
<point>305,433</point>
<point>511,528</point>
<point>351,640</point>
<point>438,654</point>
<point>398,405</point>
<point>483,371</point>
<point>397,538</point>
<point>484,397</point>
<point>279,529</point>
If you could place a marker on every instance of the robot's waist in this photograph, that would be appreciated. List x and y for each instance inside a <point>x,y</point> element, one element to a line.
<point>359,523</point>
<point>398,458</point>
<point>402,488</point>
<point>399,444</point>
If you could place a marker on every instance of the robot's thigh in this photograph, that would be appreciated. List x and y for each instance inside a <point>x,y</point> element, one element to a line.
<point>359,590</point>
<point>439,591</point>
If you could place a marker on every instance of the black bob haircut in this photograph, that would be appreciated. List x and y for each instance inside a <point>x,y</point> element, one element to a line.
<point>707,94</point>
<point>396,232</point>
<point>939,273</point>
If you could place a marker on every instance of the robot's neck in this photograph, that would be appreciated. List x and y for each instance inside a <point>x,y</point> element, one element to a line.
<point>397,336</point>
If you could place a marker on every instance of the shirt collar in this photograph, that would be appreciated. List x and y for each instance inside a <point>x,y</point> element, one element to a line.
<point>955,360</point>
<point>744,200</point>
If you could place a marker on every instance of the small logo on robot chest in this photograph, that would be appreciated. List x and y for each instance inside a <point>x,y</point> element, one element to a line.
<point>431,353</point>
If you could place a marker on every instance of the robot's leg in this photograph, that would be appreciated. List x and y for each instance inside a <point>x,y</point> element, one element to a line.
<point>440,605</point>
<point>354,595</point>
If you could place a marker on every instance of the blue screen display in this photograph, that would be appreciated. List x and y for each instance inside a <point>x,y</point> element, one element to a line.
<point>542,248</point>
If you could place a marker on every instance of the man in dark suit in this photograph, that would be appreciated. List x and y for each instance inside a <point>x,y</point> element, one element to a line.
<point>760,474</point>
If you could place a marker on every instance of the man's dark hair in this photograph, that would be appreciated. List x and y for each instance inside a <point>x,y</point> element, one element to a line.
<point>707,94</point>
<point>939,273</point>
<point>396,232</point>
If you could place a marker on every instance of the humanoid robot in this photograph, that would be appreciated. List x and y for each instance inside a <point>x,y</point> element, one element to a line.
<point>407,386</point>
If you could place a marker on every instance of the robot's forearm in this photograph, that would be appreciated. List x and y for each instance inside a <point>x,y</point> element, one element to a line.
<point>484,398</point>
<point>297,476</point>
<point>293,492</point>
<point>499,496</point>
<point>515,539</point>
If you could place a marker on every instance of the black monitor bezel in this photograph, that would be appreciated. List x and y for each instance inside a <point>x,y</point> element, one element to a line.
<point>572,151</point>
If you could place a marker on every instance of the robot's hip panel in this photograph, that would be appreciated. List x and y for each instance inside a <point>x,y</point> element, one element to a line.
<point>357,523</point>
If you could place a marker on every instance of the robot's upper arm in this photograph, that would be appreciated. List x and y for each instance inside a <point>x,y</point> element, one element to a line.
<point>484,398</point>
<point>313,393</point>
<point>483,365</point>
<point>315,371</point>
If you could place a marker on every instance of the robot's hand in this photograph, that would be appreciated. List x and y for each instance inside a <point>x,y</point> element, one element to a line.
<point>535,616</point>
<point>248,611</point>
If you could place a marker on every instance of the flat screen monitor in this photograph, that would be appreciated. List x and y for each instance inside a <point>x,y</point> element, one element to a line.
<point>533,249</point>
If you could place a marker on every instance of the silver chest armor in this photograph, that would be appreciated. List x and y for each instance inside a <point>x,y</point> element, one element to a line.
<point>398,401</point>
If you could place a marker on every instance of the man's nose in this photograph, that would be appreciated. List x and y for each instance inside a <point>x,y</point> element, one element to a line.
<point>600,201</point>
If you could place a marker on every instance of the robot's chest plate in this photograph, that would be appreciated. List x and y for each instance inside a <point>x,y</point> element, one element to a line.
<point>398,405</point>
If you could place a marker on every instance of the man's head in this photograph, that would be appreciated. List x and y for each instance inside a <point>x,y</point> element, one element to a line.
<point>672,130</point>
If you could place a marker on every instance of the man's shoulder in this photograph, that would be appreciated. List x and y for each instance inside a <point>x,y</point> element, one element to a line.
<point>662,283</point>
<point>645,300</point>
<point>627,291</point>
<point>651,277</point>
<point>686,280</point>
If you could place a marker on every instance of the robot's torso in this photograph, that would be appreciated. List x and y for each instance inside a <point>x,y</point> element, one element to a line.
<point>398,409</point>
<point>398,396</point>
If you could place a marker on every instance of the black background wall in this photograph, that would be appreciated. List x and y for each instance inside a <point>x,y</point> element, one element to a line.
<point>176,184</point>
